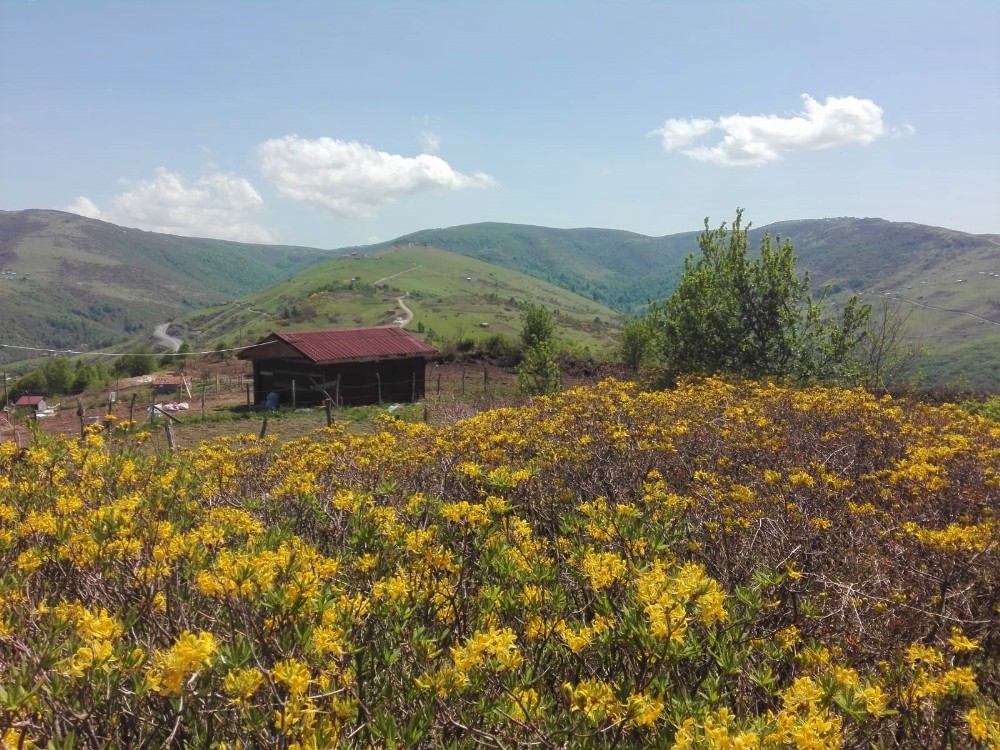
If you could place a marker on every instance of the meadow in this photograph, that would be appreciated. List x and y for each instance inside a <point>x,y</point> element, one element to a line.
<point>452,296</point>
<point>722,565</point>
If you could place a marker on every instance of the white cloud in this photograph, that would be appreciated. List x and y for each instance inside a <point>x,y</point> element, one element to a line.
<point>752,140</point>
<point>431,142</point>
<point>217,205</point>
<point>84,207</point>
<point>679,133</point>
<point>351,178</point>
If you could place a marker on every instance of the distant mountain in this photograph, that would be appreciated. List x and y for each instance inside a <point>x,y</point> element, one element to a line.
<point>619,269</point>
<point>68,282</point>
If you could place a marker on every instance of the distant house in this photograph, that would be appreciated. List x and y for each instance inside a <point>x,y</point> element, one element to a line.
<point>354,366</point>
<point>172,384</point>
<point>35,403</point>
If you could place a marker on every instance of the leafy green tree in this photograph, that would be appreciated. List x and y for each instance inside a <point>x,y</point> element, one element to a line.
<point>537,327</point>
<point>538,371</point>
<point>754,317</point>
<point>89,376</point>
<point>58,375</point>
<point>179,358</point>
<point>638,343</point>
<point>142,362</point>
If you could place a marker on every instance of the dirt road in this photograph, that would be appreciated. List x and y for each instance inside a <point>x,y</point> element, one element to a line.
<point>407,313</point>
<point>163,339</point>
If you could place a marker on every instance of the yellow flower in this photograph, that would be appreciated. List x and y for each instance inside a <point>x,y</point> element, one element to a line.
<point>875,699</point>
<point>170,669</point>
<point>524,703</point>
<point>918,653</point>
<point>293,674</point>
<point>960,643</point>
<point>643,711</point>
<point>602,568</point>
<point>596,700</point>
<point>241,684</point>
<point>983,727</point>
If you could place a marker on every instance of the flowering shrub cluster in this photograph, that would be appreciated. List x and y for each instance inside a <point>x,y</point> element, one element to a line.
<point>719,566</point>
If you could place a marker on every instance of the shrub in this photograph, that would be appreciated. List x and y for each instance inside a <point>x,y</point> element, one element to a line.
<point>722,565</point>
<point>501,347</point>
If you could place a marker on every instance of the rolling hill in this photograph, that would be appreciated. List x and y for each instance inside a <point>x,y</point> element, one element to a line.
<point>451,296</point>
<point>619,269</point>
<point>949,281</point>
<point>68,282</point>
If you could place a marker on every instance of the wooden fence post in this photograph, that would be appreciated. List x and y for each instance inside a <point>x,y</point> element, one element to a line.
<point>439,384</point>
<point>464,369</point>
<point>336,393</point>
<point>203,385</point>
<point>131,408</point>
<point>328,403</point>
<point>79,413</point>
<point>169,427</point>
<point>263,428</point>
<point>413,388</point>
<point>294,402</point>
<point>248,395</point>
<point>378,381</point>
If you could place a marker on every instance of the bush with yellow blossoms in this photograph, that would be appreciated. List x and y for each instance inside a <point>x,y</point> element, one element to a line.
<point>718,566</point>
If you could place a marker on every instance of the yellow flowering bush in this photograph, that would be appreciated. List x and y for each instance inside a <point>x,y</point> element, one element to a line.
<point>724,565</point>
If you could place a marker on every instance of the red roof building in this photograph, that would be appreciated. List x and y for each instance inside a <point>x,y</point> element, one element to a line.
<point>171,384</point>
<point>35,403</point>
<point>350,365</point>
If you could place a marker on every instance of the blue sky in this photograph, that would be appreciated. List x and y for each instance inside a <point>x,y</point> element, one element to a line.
<point>338,123</point>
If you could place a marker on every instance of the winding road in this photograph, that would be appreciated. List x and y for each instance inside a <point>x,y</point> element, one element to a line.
<point>163,339</point>
<point>407,313</point>
<point>384,279</point>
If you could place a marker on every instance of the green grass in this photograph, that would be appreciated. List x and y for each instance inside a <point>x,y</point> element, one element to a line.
<point>449,294</point>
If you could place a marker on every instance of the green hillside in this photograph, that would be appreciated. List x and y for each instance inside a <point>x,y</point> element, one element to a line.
<point>71,282</point>
<point>451,296</point>
<point>950,279</point>
<point>619,269</point>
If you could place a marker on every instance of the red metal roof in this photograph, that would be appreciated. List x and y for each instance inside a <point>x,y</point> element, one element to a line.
<point>29,401</point>
<point>170,380</point>
<point>345,344</point>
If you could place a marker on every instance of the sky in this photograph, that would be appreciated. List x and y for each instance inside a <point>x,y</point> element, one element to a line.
<point>339,123</point>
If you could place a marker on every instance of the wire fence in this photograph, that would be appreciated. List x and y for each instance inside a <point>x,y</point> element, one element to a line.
<point>450,393</point>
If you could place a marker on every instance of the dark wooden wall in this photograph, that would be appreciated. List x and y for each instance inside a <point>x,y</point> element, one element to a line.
<point>396,380</point>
